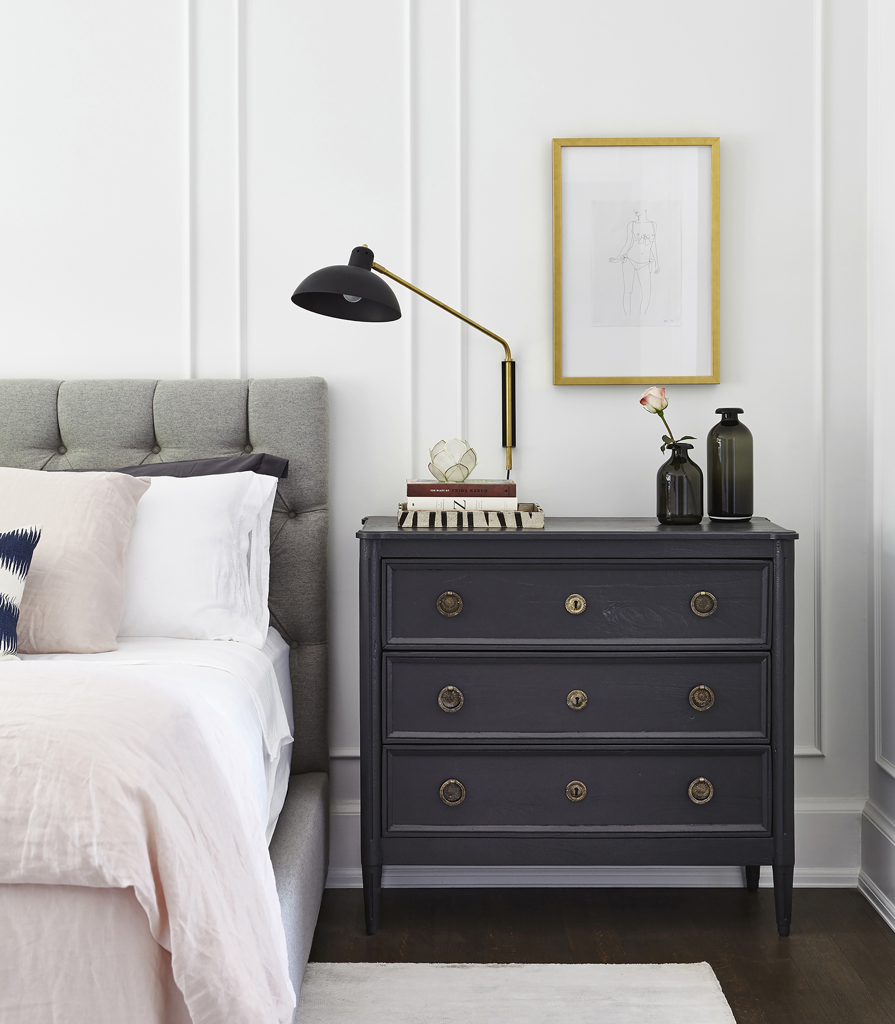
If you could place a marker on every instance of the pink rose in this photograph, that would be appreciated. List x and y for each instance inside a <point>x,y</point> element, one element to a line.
<point>654,399</point>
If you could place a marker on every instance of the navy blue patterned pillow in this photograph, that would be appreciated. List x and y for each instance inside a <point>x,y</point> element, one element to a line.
<point>16,549</point>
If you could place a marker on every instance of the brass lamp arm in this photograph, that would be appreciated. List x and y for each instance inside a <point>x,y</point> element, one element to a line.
<point>447,309</point>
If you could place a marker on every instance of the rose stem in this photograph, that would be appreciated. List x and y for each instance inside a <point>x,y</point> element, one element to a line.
<point>662,415</point>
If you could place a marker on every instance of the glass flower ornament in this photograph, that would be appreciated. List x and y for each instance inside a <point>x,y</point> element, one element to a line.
<point>452,461</point>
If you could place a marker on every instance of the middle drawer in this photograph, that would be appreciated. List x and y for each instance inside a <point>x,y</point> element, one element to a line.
<point>649,697</point>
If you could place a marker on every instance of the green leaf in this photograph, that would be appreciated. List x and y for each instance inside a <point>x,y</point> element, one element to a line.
<point>667,439</point>
<point>688,437</point>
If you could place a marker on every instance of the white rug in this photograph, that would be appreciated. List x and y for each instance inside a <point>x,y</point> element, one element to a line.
<point>512,994</point>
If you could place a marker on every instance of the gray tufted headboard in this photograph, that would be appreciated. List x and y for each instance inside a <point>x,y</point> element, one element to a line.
<point>104,424</point>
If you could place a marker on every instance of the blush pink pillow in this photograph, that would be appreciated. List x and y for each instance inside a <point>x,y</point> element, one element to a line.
<point>74,594</point>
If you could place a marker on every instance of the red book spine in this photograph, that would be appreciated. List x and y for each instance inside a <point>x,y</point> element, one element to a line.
<point>425,489</point>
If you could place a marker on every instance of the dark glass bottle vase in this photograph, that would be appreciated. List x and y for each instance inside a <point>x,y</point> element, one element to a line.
<point>729,468</point>
<point>679,489</point>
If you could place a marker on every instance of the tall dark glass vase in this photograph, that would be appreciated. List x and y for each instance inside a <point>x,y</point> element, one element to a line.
<point>679,489</point>
<point>729,468</point>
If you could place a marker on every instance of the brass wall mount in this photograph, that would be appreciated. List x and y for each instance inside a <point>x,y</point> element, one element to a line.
<point>575,604</point>
<point>450,699</point>
<point>452,792</point>
<point>703,604</point>
<point>577,700</point>
<point>702,698</point>
<point>449,604</point>
<point>700,791</point>
<point>576,791</point>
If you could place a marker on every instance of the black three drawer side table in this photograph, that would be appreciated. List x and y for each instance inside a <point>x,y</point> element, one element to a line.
<point>602,691</point>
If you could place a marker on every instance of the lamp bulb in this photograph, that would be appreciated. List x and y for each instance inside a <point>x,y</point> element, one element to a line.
<point>351,298</point>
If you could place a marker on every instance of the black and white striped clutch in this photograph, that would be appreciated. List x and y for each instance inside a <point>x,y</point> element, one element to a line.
<point>528,517</point>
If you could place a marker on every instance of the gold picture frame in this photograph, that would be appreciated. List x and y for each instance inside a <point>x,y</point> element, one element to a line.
<point>616,318</point>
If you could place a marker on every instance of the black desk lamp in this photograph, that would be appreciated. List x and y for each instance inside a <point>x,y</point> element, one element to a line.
<point>353,293</point>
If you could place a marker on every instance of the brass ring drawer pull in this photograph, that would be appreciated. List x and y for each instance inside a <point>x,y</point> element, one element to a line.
<point>450,699</point>
<point>576,791</point>
<point>701,791</point>
<point>575,604</point>
<point>577,700</point>
<point>703,604</point>
<point>449,604</point>
<point>452,792</point>
<point>701,698</point>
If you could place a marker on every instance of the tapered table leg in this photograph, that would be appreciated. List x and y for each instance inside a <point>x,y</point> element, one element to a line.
<point>753,873</point>
<point>783,896</point>
<point>372,890</point>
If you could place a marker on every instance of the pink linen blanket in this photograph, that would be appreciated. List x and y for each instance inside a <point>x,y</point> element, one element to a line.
<point>113,777</point>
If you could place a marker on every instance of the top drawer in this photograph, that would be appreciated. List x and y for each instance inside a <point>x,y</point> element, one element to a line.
<point>576,603</point>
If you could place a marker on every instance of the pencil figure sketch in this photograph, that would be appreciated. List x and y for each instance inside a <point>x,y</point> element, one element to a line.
<point>640,260</point>
<point>631,285</point>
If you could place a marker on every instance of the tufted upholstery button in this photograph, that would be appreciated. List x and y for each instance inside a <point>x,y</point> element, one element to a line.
<point>62,449</point>
<point>292,513</point>
<point>294,645</point>
<point>247,449</point>
<point>155,449</point>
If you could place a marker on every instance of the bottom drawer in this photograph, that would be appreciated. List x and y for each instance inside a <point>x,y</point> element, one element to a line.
<point>652,790</point>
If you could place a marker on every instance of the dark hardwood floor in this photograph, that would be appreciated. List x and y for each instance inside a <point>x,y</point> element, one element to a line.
<point>838,966</point>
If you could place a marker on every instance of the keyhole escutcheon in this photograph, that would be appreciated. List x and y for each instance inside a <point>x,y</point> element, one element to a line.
<point>577,700</point>
<point>576,791</point>
<point>575,604</point>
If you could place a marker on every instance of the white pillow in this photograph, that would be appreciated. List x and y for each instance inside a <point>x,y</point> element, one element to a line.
<point>75,589</point>
<point>198,563</point>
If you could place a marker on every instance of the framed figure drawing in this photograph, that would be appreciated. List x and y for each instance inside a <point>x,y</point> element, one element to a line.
<point>635,261</point>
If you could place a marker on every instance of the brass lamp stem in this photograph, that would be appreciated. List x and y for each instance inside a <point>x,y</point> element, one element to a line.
<point>446,308</point>
<point>508,373</point>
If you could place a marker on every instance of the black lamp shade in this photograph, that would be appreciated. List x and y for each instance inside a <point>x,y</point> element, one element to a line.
<point>370,300</point>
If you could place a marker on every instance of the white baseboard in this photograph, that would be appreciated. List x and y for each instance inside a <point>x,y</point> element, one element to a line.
<point>877,899</point>
<point>877,879</point>
<point>453,877</point>
<point>828,854</point>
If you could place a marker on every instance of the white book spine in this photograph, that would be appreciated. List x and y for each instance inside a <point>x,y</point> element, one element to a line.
<point>462,504</point>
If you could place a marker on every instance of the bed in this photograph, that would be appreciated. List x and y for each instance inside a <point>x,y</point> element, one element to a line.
<point>105,424</point>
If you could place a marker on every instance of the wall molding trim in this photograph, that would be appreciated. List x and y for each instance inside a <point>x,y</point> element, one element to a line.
<point>214,182</point>
<point>408,332</point>
<point>241,197</point>
<point>188,213</point>
<point>461,213</point>
<point>804,751</point>
<point>818,369</point>
<point>830,804</point>
<point>879,167</point>
<point>435,218</point>
<point>805,805</point>
<point>880,820</point>
<point>823,814</point>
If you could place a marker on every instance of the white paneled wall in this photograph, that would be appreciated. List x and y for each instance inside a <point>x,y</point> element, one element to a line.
<point>171,171</point>
<point>878,864</point>
<point>93,197</point>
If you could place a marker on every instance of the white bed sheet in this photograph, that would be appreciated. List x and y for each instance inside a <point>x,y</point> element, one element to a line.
<point>250,688</point>
<point>219,704</point>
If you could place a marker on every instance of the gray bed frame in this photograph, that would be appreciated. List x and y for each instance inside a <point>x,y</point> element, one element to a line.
<point>105,424</point>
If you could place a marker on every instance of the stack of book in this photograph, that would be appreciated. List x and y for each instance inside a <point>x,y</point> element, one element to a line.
<point>472,504</point>
<point>470,496</point>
